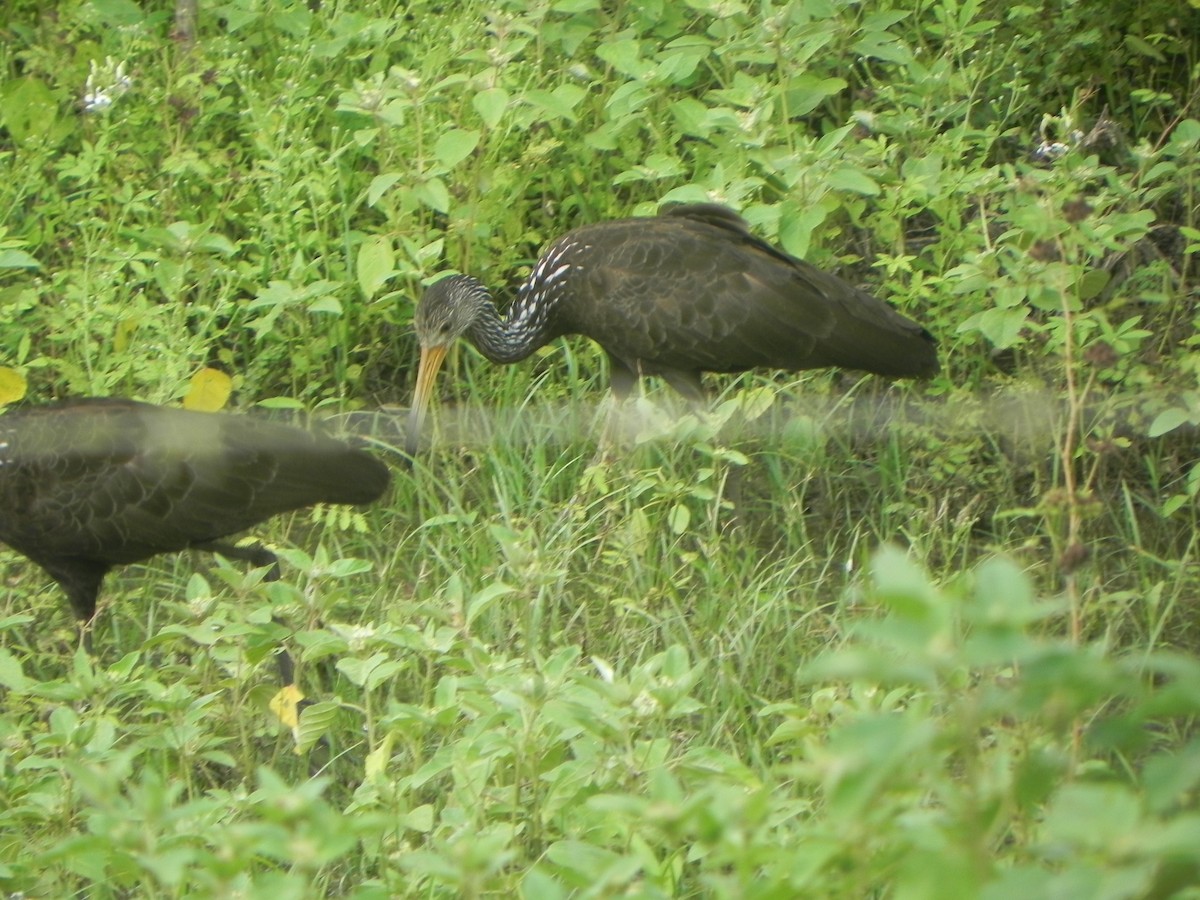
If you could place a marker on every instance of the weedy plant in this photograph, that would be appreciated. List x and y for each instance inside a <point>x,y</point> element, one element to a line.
<point>832,637</point>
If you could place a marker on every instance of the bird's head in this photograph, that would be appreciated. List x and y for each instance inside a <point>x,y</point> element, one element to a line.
<point>448,309</point>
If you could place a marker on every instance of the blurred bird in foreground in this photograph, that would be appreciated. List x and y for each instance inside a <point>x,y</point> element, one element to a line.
<point>90,484</point>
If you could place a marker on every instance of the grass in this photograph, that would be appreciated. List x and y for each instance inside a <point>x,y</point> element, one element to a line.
<point>835,637</point>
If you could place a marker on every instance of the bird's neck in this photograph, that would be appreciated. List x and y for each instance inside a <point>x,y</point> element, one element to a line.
<point>524,327</point>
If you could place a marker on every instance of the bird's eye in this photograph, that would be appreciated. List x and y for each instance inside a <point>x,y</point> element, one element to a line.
<point>445,329</point>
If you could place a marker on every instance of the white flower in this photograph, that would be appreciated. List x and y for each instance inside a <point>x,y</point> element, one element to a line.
<point>105,83</point>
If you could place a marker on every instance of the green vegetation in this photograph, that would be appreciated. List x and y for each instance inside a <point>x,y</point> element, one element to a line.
<point>842,638</point>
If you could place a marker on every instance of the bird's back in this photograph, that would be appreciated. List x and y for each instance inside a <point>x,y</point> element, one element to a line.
<point>693,290</point>
<point>115,481</point>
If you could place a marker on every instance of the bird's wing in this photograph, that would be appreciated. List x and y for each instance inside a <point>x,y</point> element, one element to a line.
<point>124,482</point>
<point>700,292</point>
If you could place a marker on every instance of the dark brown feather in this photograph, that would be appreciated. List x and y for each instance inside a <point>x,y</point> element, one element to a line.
<point>86,485</point>
<point>693,290</point>
<point>685,292</point>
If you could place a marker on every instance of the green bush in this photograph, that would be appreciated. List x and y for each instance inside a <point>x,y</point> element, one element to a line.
<point>680,666</point>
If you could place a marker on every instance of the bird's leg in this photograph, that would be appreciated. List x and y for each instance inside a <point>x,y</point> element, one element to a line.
<point>690,385</point>
<point>621,381</point>
<point>80,581</point>
<point>283,661</point>
<point>85,635</point>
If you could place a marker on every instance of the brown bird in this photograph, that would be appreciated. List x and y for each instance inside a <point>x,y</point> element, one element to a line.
<point>688,291</point>
<point>86,485</point>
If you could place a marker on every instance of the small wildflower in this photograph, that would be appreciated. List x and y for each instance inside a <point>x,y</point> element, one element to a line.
<point>408,78</point>
<point>105,83</point>
<point>1051,128</point>
<point>357,637</point>
<point>1048,151</point>
<point>644,704</point>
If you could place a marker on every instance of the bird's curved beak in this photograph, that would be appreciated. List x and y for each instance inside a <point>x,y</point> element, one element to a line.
<point>427,369</point>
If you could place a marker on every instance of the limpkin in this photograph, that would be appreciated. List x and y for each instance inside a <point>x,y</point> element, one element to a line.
<point>691,290</point>
<point>90,484</point>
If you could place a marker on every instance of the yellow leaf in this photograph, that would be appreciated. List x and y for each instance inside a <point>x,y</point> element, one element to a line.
<point>12,385</point>
<point>377,759</point>
<point>286,706</point>
<point>124,334</point>
<point>209,392</point>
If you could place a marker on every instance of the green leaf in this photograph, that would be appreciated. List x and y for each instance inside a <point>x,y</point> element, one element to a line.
<point>238,16</point>
<point>560,102</point>
<point>316,721</point>
<point>1143,48</point>
<point>17,259</point>
<point>326,305</point>
<point>538,884</point>
<point>289,403</point>
<point>904,588</point>
<point>28,108</point>
<point>1173,504</point>
<point>380,185</point>
<point>421,819</point>
<point>1186,134</point>
<point>14,620</point>
<point>870,752</point>
<point>851,179</point>
<point>486,599</point>
<point>586,864</point>
<point>433,193</point>
<point>118,13</point>
<point>216,243</point>
<point>1092,283</point>
<point>626,57</point>
<point>295,20</point>
<point>679,518</point>
<point>454,146</point>
<point>1092,816</point>
<point>368,673</point>
<point>348,566</point>
<point>831,140</point>
<point>691,117</point>
<point>12,676</point>
<point>682,59</point>
<point>1000,326</point>
<point>688,193</point>
<point>375,264</point>
<point>1170,777</point>
<point>491,105</point>
<point>796,228</point>
<point>883,46</point>
<point>628,100</point>
<point>1168,420</point>
<point>376,765</point>
<point>755,402</point>
<point>806,92</point>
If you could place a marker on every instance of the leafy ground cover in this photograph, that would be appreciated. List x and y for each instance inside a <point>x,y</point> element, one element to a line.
<point>839,638</point>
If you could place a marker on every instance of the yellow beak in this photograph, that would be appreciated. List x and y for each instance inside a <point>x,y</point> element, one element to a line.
<point>427,369</point>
